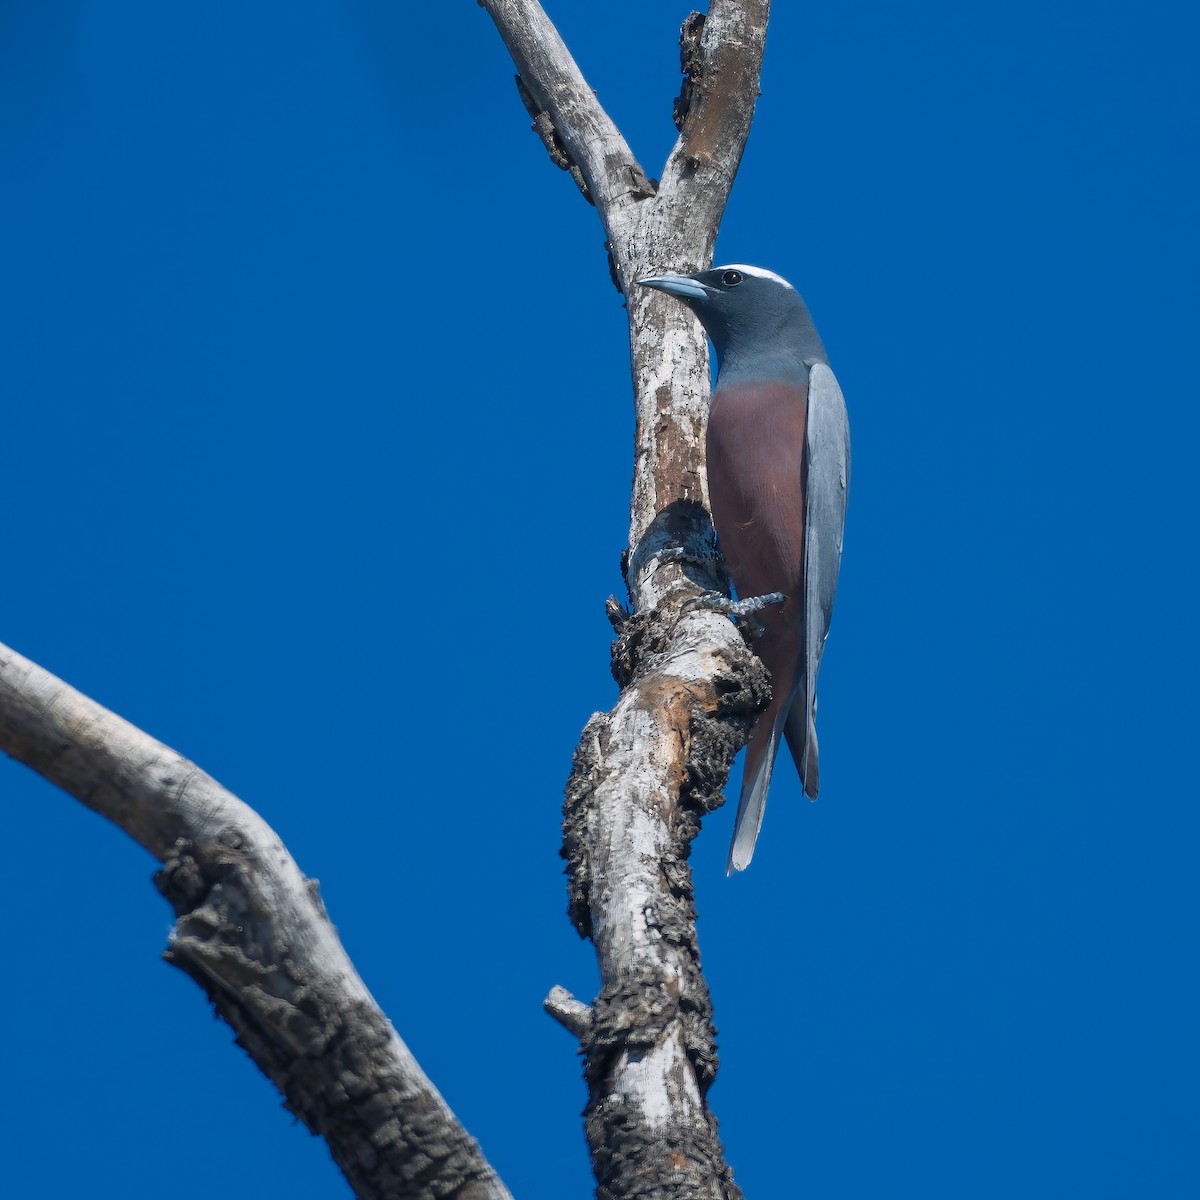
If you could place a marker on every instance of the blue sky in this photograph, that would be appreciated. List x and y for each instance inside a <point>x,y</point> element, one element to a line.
<point>316,430</point>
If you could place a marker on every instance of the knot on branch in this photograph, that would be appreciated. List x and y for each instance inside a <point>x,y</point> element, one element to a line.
<point>543,126</point>
<point>227,940</point>
<point>690,64</point>
<point>636,1013</point>
<point>632,1013</point>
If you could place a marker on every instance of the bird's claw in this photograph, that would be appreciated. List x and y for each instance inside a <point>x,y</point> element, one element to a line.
<point>736,608</point>
<point>753,604</point>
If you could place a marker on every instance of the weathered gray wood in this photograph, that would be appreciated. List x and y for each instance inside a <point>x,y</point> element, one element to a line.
<point>251,930</point>
<point>645,772</point>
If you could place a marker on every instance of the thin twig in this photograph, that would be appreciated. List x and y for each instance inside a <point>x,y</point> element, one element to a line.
<point>572,1014</point>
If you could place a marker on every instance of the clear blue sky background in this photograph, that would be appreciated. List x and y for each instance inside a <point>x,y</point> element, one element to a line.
<point>316,449</point>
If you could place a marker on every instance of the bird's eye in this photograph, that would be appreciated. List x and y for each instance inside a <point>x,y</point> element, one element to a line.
<point>731,278</point>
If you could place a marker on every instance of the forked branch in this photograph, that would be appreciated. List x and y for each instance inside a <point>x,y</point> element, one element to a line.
<point>645,772</point>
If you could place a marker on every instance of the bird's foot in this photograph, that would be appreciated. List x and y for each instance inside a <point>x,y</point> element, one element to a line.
<point>754,604</point>
<point>736,608</point>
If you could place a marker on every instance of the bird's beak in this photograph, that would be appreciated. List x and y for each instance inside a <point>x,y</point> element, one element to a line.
<point>683,286</point>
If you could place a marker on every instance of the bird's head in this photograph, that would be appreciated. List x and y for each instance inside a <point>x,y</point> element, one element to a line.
<point>753,316</point>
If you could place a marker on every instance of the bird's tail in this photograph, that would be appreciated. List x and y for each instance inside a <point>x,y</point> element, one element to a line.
<point>801,734</point>
<point>753,801</point>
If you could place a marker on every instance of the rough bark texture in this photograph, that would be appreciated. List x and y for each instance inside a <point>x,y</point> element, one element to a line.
<point>650,1052</point>
<point>252,932</point>
<point>646,772</point>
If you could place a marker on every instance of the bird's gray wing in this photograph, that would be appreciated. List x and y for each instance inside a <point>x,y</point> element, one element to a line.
<point>827,459</point>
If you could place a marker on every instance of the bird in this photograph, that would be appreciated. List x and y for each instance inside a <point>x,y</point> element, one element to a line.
<point>777,457</point>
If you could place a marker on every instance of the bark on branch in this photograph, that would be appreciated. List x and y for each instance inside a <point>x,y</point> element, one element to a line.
<point>555,92</point>
<point>646,772</point>
<point>251,930</point>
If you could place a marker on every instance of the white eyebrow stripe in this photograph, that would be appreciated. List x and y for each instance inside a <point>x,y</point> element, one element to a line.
<point>760,272</point>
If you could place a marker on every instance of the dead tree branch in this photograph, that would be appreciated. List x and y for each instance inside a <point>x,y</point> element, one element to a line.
<point>251,930</point>
<point>645,772</point>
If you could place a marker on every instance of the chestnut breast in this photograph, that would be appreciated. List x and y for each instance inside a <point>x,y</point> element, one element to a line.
<point>755,456</point>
